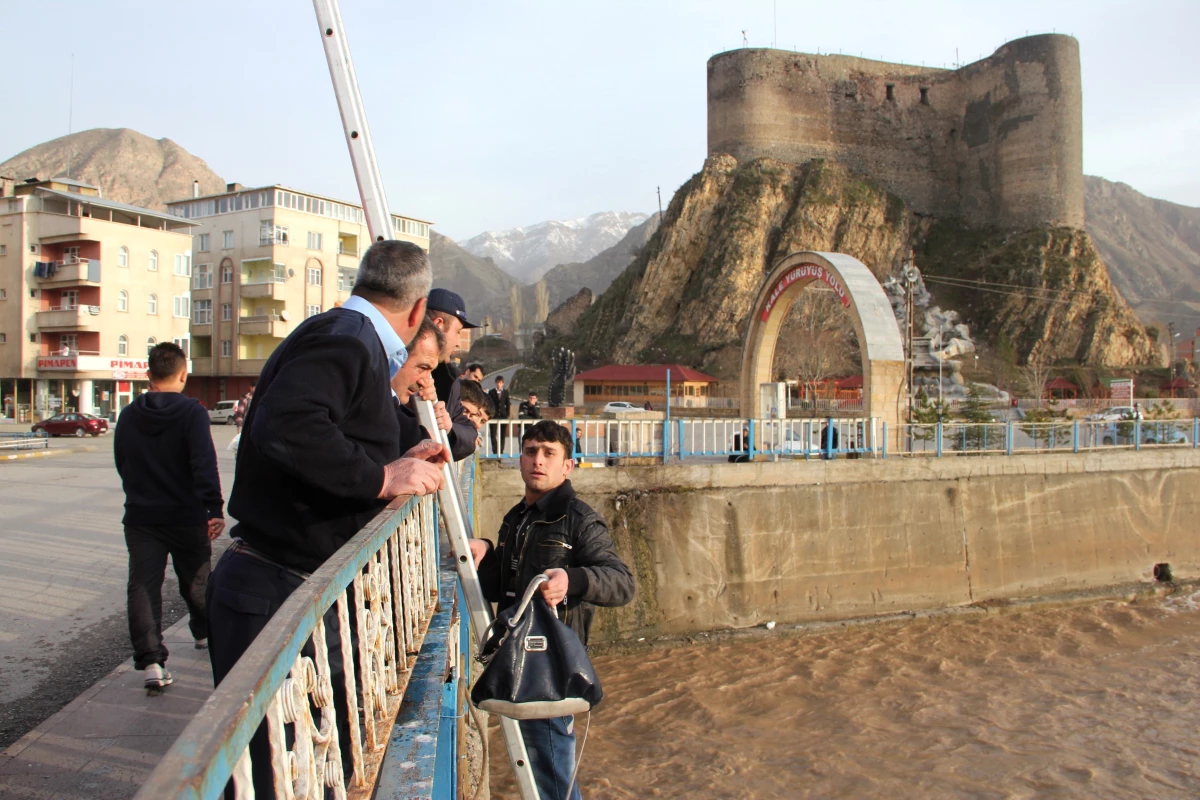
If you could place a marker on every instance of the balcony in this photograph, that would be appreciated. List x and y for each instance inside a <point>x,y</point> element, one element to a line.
<point>263,287</point>
<point>72,272</point>
<point>262,325</point>
<point>76,318</point>
<point>267,241</point>
<point>249,366</point>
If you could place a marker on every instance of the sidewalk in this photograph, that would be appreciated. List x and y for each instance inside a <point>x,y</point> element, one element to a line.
<point>105,742</point>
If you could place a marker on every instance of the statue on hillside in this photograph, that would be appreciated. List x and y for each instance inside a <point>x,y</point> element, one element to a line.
<point>562,364</point>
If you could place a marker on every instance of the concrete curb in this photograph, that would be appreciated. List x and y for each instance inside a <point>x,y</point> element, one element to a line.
<point>42,454</point>
<point>14,749</point>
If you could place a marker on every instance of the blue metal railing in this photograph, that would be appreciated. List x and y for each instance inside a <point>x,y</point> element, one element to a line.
<point>614,441</point>
<point>24,441</point>
<point>399,622</point>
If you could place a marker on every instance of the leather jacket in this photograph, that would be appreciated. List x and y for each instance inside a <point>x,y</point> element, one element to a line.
<point>559,531</point>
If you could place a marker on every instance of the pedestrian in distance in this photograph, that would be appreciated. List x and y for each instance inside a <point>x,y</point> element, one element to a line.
<point>552,532</point>
<point>173,506</point>
<point>502,410</point>
<point>319,459</point>
<point>243,406</point>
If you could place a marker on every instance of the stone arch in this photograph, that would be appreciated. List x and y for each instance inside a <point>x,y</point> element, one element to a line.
<point>874,322</point>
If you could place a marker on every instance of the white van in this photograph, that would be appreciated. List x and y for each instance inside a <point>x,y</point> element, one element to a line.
<point>223,413</point>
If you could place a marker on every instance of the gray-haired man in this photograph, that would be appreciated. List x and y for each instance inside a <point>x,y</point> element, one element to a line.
<point>319,458</point>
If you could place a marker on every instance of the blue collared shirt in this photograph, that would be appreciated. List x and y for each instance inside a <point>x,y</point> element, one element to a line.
<point>397,353</point>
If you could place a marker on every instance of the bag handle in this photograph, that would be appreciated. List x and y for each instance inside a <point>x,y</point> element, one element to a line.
<point>526,599</point>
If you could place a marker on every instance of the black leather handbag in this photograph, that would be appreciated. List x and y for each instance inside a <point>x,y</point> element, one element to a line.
<point>535,666</point>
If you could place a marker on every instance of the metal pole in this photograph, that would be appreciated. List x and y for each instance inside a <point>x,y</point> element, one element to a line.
<point>379,223</point>
<point>667,423</point>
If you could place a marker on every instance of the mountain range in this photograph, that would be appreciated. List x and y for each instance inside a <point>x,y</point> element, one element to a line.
<point>527,253</point>
<point>1151,247</point>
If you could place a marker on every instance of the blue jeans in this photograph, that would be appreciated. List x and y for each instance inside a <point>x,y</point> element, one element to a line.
<point>551,747</point>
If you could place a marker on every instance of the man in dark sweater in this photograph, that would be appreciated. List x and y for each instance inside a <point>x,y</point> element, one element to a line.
<point>319,458</point>
<point>501,411</point>
<point>173,506</point>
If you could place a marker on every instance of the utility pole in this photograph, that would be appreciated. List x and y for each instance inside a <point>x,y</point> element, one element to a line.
<point>660,218</point>
<point>1171,337</point>
<point>908,274</point>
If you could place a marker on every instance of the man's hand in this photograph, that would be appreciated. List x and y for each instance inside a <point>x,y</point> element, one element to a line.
<point>479,548</point>
<point>215,526</point>
<point>426,389</point>
<point>412,475</point>
<point>435,453</point>
<point>442,416</point>
<point>555,589</point>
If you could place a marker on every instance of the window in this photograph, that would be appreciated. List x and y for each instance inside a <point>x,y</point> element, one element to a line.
<point>123,256</point>
<point>183,264</point>
<point>33,337</point>
<point>924,95</point>
<point>152,264</point>
<point>281,234</point>
<point>152,304</point>
<point>35,248</point>
<point>226,240</point>
<point>202,242</point>
<point>226,311</point>
<point>280,273</point>
<point>150,344</point>
<point>202,279</point>
<point>314,276</point>
<point>314,241</point>
<point>185,345</point>
<point>3,249</point>
<point>312,311</point>
<point>122,345</point>
<point>122,300</point>
<point>183,306</point>
<point>227,274</point>
<point>3,338</point>
<point>202,312</point>
<point>70,299</point>
<point>891,91</point>
<point>226,348</point>
<point>3,294</point>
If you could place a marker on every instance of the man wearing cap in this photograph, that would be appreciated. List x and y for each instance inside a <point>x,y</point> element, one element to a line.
<point>449,313</point>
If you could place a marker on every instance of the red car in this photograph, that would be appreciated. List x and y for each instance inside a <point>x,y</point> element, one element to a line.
<point>71,425</point>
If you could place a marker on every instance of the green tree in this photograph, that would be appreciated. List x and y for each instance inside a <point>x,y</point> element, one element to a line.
<point>975,410</point>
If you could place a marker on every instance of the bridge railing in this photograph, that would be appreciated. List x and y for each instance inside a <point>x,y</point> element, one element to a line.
<point>374,600</point>
<point>615,441</point>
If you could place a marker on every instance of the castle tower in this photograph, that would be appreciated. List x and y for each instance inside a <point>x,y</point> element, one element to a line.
<point>997,143</point>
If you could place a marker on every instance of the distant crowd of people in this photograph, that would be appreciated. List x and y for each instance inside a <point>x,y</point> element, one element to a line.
<point>329,434</point>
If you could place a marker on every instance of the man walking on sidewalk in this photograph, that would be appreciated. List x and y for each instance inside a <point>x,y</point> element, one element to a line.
<point>173,506</point>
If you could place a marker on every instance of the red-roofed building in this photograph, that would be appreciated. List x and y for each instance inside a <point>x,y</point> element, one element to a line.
<point>642,383</point>
<point>1061,388</point>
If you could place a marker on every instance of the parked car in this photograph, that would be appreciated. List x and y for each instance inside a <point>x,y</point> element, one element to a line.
<point>1152,433</point>
<point>620,405</point>
<point>71,425</point>
<point>222,413</point>
<point>1113,414</point>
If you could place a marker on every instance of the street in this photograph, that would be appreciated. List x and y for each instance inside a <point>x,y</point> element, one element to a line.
<point>62,576</point>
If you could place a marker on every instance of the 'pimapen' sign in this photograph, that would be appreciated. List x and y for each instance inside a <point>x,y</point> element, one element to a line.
<point>802,272</point>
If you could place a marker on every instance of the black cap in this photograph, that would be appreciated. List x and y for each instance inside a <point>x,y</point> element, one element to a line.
<point>451,303</point>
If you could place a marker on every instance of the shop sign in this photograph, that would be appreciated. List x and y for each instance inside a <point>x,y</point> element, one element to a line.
<point>1122,391</point>
<point>70,363</point>
<point>119,374</point>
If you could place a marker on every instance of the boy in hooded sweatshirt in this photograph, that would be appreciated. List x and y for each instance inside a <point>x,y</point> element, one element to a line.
<point>173,505</point>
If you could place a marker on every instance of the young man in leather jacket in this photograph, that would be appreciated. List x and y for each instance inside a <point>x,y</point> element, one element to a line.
<point>552,531</point>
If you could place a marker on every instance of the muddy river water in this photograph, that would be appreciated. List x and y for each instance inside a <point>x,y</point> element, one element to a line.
<point>1081,702</point>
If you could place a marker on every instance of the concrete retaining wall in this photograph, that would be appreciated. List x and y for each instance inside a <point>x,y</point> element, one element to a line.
<point>734,545</point>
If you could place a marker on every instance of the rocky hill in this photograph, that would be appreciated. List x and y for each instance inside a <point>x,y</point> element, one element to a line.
<point>1152,249</point>
<point>527,253</point>
<point>565,280</point>
<point>484,286</point>
<point>126,165</point>
<point>688,295</point>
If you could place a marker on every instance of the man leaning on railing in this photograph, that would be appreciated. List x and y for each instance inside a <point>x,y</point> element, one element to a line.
<point>319,457</point>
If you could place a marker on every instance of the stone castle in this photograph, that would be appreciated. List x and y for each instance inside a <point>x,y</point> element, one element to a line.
<point>996,143</point>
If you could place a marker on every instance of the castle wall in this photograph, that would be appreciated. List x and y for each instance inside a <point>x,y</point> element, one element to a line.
<point>998,142</point>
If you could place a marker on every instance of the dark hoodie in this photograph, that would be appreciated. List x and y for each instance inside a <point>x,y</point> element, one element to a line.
<point>167,461</point>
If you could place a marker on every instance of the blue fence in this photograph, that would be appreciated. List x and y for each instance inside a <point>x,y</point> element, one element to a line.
<point>612,441</point>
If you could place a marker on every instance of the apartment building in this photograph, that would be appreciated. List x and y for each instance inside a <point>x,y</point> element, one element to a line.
<point>267,258</point>
<point>87,286</point>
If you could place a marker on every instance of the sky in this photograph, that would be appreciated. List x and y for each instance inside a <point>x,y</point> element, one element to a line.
<point>490,115</point>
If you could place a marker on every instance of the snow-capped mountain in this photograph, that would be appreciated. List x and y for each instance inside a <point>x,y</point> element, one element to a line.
<point>528,252</point>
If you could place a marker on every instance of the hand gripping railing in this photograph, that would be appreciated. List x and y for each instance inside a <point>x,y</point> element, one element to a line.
<point>384,586</point>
